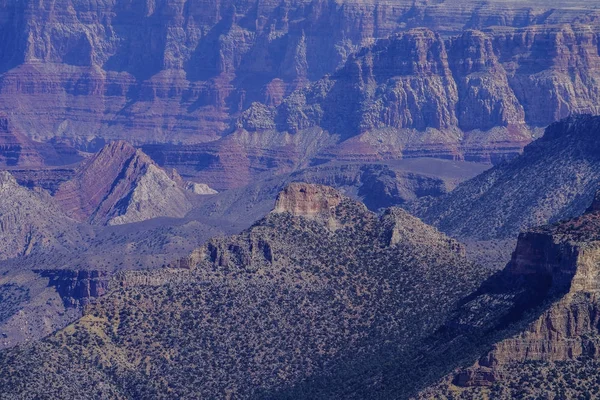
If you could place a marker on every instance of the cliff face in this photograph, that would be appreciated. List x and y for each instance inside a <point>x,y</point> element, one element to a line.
<point>17,149</point>
<point>120,185</point>
<point>561,263</point>
<point>310,201</point>
<point>475,82</point>
<point>77,287</point>
<point>184,71</point>
<point>486,98</point>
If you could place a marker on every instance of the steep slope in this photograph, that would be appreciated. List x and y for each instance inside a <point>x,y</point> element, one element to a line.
<point>318,282</point>
<point>555,178</point>
<point>31,221</point>
<point>557,352</point>
<point>121,185</point>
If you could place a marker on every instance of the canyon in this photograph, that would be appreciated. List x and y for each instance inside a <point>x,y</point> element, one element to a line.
<point>299,199</point>
<point>223,90</point>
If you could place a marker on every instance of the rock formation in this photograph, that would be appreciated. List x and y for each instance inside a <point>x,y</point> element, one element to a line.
<point>188,72</point>
<point>17,148</point>
<point>76,287</point>
<point>324,299</point>
<point>314,202</point>
<point>121,185</point>
<point>558,264</point>
<point>168,68</point>
<point>200,188</point>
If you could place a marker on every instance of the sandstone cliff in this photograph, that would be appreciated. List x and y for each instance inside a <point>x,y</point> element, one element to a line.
<point>76,287</point>
<point>559,263</point>
<point>310,201</point>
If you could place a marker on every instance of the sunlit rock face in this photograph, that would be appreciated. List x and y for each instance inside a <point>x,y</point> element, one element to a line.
<point>121,184</point>
<point>562,263</point>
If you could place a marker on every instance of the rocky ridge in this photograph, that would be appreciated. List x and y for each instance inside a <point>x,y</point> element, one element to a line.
<point>288,283</point>
<point>564,334</point>
<point>555,178</point>
<point>475,82</point>
<point>122,185</point>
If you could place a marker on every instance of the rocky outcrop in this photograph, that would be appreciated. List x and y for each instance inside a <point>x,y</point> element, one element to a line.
<point>563,259</point>
<point>401,227</point>
<point>200,188</point>
<point>121,185</point>
<point>77,287</point>
<point>310,201</point>
<point>332,210</point>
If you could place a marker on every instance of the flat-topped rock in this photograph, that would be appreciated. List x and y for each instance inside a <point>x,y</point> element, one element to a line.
<point>307,200</point>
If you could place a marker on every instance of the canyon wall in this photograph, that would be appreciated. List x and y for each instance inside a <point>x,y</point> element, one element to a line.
<point>183,71</point>
<point>481,96</point>
<point>562,262</point>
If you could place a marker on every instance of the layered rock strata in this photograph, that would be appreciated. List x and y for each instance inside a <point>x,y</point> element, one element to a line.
<point>165,70</point>
<point>122,185</point>
<point>190,71</point>
<point>562,263</point>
